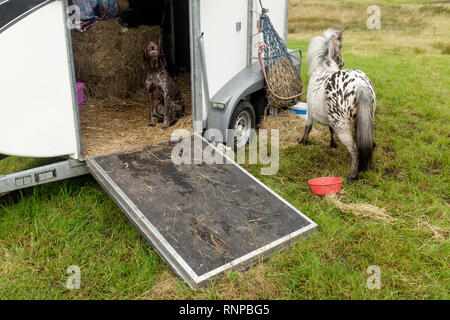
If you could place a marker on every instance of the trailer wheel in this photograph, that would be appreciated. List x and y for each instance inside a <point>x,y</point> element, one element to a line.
<point>243,122</point>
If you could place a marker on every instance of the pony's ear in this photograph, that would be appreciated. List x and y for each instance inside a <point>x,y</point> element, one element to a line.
<point>339,34</point>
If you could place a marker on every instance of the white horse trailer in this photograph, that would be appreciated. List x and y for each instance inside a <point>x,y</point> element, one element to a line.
<point>40,118</point>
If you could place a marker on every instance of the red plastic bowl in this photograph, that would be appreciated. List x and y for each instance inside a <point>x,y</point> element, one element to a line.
<point>326,185</point>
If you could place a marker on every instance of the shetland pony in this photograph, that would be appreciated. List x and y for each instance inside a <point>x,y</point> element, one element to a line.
<point>344,100</point>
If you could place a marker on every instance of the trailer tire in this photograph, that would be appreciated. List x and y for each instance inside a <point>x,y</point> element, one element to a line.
<point>243,121</point>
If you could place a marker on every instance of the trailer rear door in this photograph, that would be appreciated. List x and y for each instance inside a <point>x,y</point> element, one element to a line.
<point>203,219</point>
<point>38,111</point>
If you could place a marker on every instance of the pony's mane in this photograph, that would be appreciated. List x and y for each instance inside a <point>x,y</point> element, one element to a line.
<point>318,51</point>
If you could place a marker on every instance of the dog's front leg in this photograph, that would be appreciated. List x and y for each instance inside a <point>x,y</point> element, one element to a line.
<point>166,112</point>
<point>151,107</point>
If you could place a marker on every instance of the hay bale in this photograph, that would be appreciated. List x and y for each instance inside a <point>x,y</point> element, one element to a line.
<point>113,124</point>
<point>108,58</point>
<point>284,81</point>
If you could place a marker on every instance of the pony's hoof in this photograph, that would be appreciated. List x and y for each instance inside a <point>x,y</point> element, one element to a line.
<point>151,124</point>
<point>333,145</point>
<point>351,179</point>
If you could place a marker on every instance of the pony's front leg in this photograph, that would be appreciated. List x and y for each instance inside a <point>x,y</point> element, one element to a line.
<point>333,143</point>
<point>308,127</point>
<point>348,141</point>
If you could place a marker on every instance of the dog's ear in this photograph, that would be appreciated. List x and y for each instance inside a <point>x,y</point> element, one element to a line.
<point>145,54</point>
<point>162,60</point>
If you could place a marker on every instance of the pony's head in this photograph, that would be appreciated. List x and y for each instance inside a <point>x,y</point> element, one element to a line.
<point>334,43</point>
<point>325,49</point>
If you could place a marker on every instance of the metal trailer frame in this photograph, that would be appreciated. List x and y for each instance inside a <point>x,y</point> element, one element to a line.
<point>41,175</point>
<point>240,87</point>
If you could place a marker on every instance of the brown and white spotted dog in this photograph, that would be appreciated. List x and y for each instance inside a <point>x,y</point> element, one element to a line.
<point>344,100</point>
<point>162,88</point>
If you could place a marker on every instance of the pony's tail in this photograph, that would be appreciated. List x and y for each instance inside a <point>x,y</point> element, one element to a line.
<point>365,140</point>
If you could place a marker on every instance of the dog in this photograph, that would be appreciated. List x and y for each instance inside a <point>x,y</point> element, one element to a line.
<point>161,87</point>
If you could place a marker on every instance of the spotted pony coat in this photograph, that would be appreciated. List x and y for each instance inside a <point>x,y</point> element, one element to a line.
<point>344,100</point>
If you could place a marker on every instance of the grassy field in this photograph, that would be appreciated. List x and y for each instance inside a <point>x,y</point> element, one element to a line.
<point>46,229</point>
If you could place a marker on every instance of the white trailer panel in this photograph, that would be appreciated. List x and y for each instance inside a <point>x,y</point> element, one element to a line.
<point>37,117</point>
<point>225,43</point>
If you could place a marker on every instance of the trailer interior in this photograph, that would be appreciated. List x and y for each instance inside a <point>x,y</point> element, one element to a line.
<point>115,115</point>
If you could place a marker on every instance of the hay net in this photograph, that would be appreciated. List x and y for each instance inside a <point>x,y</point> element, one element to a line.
<point>284,84</point>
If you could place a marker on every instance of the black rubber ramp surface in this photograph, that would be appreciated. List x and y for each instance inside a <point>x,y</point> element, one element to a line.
<point>210,215</point>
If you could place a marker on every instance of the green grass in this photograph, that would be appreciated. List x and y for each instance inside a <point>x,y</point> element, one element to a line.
<point>44,230</point>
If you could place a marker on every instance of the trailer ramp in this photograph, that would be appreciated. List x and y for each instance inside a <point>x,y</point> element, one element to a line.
<point>203,219</point>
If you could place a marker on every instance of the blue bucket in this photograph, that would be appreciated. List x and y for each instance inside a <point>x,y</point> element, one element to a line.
<point>300,108</point>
